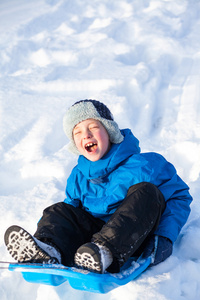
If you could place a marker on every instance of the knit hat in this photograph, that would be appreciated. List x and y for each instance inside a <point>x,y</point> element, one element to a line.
<point>90,109</point>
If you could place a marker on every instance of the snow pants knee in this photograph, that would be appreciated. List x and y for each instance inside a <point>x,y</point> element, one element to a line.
<point>132,223</point>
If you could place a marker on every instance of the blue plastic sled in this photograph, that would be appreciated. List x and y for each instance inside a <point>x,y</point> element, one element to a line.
<point>81,279</point>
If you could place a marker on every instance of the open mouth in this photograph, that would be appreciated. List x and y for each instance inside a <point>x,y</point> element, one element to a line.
<point>91,147</point>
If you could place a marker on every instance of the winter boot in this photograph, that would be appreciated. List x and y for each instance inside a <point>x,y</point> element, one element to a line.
<point>93,257</point>
<point>23,247</point>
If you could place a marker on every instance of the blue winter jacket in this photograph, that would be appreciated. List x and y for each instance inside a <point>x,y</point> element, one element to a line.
<point>102,185</point>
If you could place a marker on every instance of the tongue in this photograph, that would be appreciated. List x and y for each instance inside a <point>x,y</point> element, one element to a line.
<point>91,148</point>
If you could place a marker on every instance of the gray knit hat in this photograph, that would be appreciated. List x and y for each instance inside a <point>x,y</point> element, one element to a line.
<point>90,109</point>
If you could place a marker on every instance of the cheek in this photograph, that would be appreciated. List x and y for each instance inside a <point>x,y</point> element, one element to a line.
<point>105,140</point>
<point>77,142</point>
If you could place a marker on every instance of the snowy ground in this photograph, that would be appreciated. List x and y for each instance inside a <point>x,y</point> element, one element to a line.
<point>142,58</point>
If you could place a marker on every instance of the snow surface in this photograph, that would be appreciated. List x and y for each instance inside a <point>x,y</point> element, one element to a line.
<point>142,58</point>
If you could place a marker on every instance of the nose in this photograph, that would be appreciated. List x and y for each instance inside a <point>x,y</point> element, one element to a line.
<point>87,134</point>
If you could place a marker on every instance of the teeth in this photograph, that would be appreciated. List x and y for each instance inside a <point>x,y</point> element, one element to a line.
<point>89,145</point>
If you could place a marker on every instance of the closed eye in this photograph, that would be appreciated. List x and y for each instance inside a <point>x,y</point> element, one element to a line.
<point>94,127</point>
<point>77,132</point>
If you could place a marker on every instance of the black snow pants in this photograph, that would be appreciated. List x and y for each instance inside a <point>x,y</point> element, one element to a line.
<point>125,234</point>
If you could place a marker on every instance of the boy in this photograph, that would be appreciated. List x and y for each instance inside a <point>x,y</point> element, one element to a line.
<point>119,202</point>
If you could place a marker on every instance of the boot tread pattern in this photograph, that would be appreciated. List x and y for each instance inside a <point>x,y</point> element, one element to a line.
<point>23,248</point>
<point>88,257</point>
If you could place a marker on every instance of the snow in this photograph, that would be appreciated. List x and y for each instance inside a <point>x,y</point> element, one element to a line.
<point>142,58</point>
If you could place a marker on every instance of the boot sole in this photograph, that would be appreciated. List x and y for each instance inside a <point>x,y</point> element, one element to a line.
<point>88,257</point>
<point>22,246</point>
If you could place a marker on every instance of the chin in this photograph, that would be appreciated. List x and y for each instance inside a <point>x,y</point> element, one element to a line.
<point>93,158</point>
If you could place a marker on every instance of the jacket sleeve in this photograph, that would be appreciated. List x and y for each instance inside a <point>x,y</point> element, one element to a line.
<point>177,197</point>
<point>72,189</point>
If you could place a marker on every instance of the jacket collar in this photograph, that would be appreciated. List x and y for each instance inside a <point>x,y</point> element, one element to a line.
<point>98,170</point>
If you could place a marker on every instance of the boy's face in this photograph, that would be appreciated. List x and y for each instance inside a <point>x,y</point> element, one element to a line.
<point>91,139</point>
